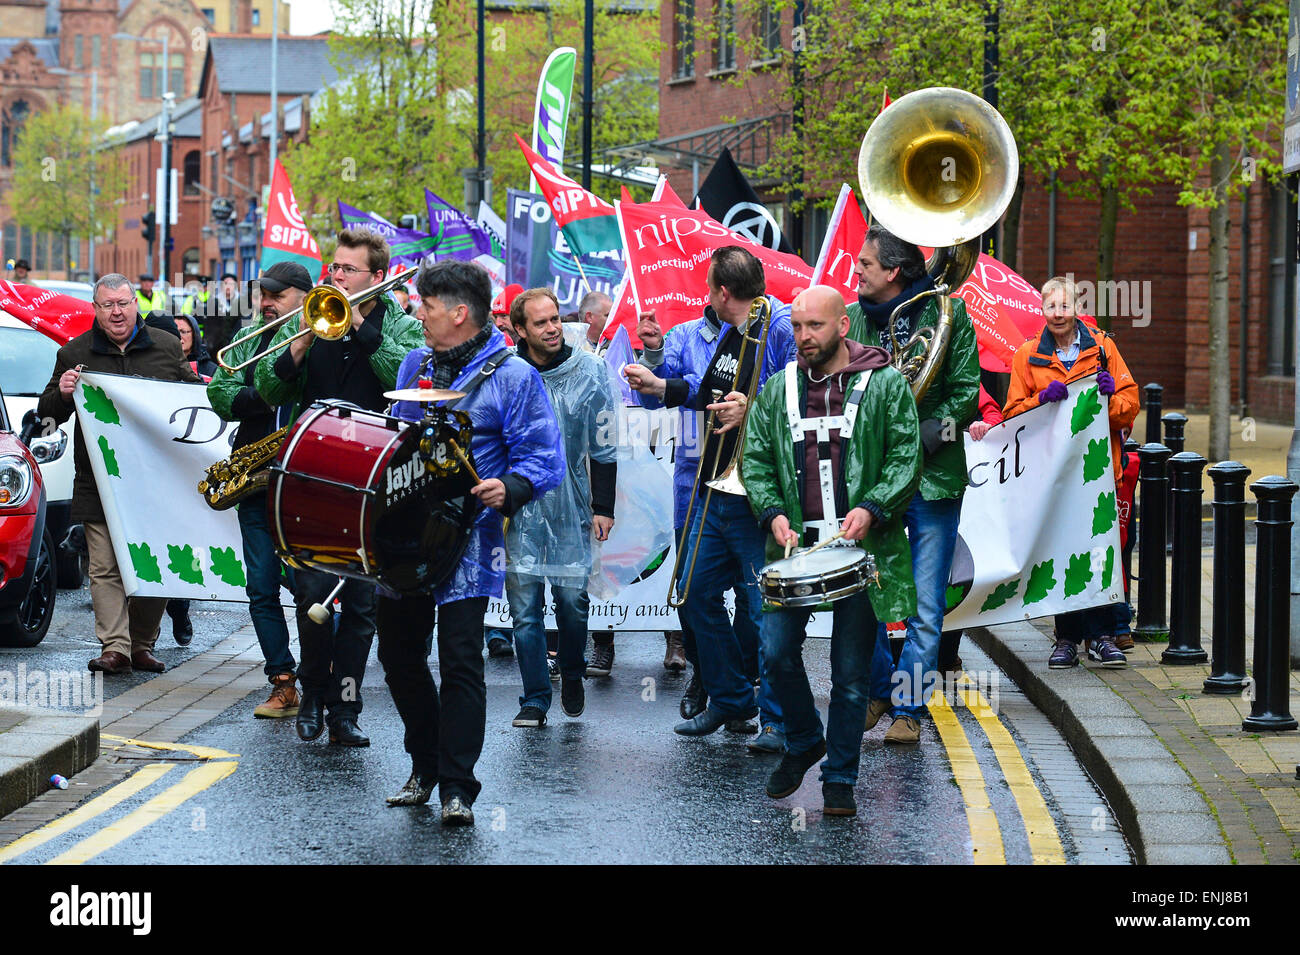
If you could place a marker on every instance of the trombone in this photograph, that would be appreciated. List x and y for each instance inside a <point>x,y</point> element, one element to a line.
<point>329,313</point>
<point>729,480</point>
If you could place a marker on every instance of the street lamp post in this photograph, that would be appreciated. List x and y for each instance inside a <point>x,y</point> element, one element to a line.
<point>164,136</point>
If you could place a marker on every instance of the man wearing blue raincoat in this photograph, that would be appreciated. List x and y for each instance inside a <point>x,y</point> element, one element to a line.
<point>519,456</point>
<point>550,539</point>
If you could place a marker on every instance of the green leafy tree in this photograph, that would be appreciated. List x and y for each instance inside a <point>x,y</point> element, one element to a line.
<point>62,171</point>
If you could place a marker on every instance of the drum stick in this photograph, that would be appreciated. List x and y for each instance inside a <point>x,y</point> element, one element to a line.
<point>464,460</point>
<point>817,547</point>
<point>320,612</point>
<point>789,546</point>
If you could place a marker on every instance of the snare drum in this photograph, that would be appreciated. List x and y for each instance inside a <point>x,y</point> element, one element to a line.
<point>809,579</point>
<point>349,494</point>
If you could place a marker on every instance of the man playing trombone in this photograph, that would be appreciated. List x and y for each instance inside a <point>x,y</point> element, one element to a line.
<point>832,446</point>
<point>358,367</point>
<point>721,541</point>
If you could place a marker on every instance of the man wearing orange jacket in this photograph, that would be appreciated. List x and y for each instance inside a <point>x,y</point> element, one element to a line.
<point>1067,351</point>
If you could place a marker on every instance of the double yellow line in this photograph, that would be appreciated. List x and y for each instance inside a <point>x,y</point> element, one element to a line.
<point>194,782</point>
<point>986,835</point>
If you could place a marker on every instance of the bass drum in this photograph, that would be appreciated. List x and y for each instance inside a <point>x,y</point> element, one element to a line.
<point>349,494</point>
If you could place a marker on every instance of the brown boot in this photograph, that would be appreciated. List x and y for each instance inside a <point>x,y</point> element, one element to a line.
<point>674,656</point>
<point>283,700</point>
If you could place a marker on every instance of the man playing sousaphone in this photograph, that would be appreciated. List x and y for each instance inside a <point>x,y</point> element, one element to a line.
<point>832,446</point>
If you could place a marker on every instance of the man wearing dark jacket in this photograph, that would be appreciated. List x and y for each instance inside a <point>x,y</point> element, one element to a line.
<point>119,343</point>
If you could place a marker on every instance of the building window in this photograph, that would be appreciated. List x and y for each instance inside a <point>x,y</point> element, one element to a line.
<point>94,52</point>
<point>56,254</point>
<point>42,263</point>
<point>769,31</point>
<point>257,17</point>
<point>684,39</point>
<point>151,75</point>
<point>11,128</point>
<point>211,14</point>
<point>724,47</point>
<point>1281,277</point>
<point>77,60</point>
<point>191,174</point>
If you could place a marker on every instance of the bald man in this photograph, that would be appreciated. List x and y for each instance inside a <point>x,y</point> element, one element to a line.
<point>832,445</point>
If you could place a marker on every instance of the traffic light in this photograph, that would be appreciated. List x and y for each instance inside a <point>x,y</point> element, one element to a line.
<point>148,228</point>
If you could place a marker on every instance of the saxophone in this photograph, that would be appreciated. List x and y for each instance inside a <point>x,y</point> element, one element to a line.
<point>245,472</point>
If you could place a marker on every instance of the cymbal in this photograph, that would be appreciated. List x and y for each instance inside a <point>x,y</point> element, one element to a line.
<point>423,394</point>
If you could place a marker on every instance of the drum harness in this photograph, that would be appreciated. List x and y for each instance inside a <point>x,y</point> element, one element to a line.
<point>823,426</point>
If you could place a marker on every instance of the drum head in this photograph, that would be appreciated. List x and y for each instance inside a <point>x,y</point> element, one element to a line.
<point>828,560</point>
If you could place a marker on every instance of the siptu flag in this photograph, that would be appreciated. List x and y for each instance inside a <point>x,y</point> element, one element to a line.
<point>405,246</point>
<point>587,221</point>
<point>844,236</point>
<point>286,237</point>
<point>727,196</point>
<point>459,236</point>
<point>551,112</point>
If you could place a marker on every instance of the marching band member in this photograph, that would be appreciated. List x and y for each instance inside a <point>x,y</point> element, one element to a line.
<point>234,398</point>
<point>891,271</point>
<point>359,367</point>
<point>833,434</point>
<point>549,541</point>
<point>726,544</point>
<point>518,454</point>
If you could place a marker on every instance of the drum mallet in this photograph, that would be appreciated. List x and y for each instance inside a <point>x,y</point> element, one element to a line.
<point>319,613</point>
<point>464,460</point>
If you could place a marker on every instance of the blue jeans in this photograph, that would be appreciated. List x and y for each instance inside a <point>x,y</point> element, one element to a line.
<point>853,639</point>
<point>528,608</point>
<point>1107,621</point>
<point>932,533</point>
<point>262,568</point>
<point>730,544</point>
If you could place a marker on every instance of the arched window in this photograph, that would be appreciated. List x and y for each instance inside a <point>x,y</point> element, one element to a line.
<point>192,173</point>
<point>11,125</point>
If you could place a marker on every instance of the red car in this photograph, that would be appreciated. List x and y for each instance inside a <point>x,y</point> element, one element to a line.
<point>26,570</point>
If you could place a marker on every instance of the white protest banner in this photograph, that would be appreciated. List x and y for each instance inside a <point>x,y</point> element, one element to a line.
<point>1039,531</point>
<point>149,443</point>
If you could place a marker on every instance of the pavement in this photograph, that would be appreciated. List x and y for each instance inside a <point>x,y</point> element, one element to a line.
<point>38,744</point>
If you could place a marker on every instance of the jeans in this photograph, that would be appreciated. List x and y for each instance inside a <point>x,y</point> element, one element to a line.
<point>932,533</point>
<point>444,736</point>
<point>1079,625</point>
<point>262,567</point>
<point>527,596</point>
<point>730,546</point>
<point>853,641</point>
<point>334,653</point>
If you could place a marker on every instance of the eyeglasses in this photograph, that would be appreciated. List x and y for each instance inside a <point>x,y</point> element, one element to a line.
<point>112,307</point>
<point>345,269</point>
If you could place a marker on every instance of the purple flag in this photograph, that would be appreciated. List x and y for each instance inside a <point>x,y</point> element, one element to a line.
<point>459,237</point>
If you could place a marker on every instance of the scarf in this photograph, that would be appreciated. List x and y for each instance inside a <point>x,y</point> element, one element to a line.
<point>879,313</point>
<point>448,364</point>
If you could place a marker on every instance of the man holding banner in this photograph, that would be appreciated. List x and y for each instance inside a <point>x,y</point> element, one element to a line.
<point>359,367</point>
<point>835,434</point>
<point>119,343</point>
<point>890,272</point>
<point>726,542</point>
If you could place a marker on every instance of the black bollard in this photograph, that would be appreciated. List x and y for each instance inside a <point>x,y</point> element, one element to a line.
<point>1228,630</point>
<point>1270,708</point>
<point>1175,440</point>
<point>1151,549</point>
<point>1185,584</point>
<point>1153,403</point>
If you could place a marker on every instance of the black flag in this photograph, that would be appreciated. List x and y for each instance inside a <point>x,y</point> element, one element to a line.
<point>727,195</point>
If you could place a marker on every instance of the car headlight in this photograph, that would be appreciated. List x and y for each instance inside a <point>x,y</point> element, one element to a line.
<point>51,448</point>
<point>15,480</point>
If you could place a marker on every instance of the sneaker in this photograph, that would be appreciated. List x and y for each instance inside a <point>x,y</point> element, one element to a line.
<point>875,710</point>
<point>1123,641</point>
<point>500,647</point>
<point>837,800</point>
<point>455,812</point>
<point>770,740</point>
<point>529,717</point>
<point>573,699</point>
<point>1106,653</point>
<point>283,700</point>
<point>905,729</point>
<point>788,776</point>
<point>553,668</point>
<point>602,659</point>
<point>1064,656</point>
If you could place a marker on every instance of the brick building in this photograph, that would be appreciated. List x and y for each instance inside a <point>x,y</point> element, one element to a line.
<point>1160,246</point>
<point>86,53</point>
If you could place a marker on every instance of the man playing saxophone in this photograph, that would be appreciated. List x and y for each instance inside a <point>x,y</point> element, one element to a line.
<point>233,396</point>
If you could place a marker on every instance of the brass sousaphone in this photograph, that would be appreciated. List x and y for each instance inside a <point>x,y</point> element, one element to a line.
<point>938,168</point>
